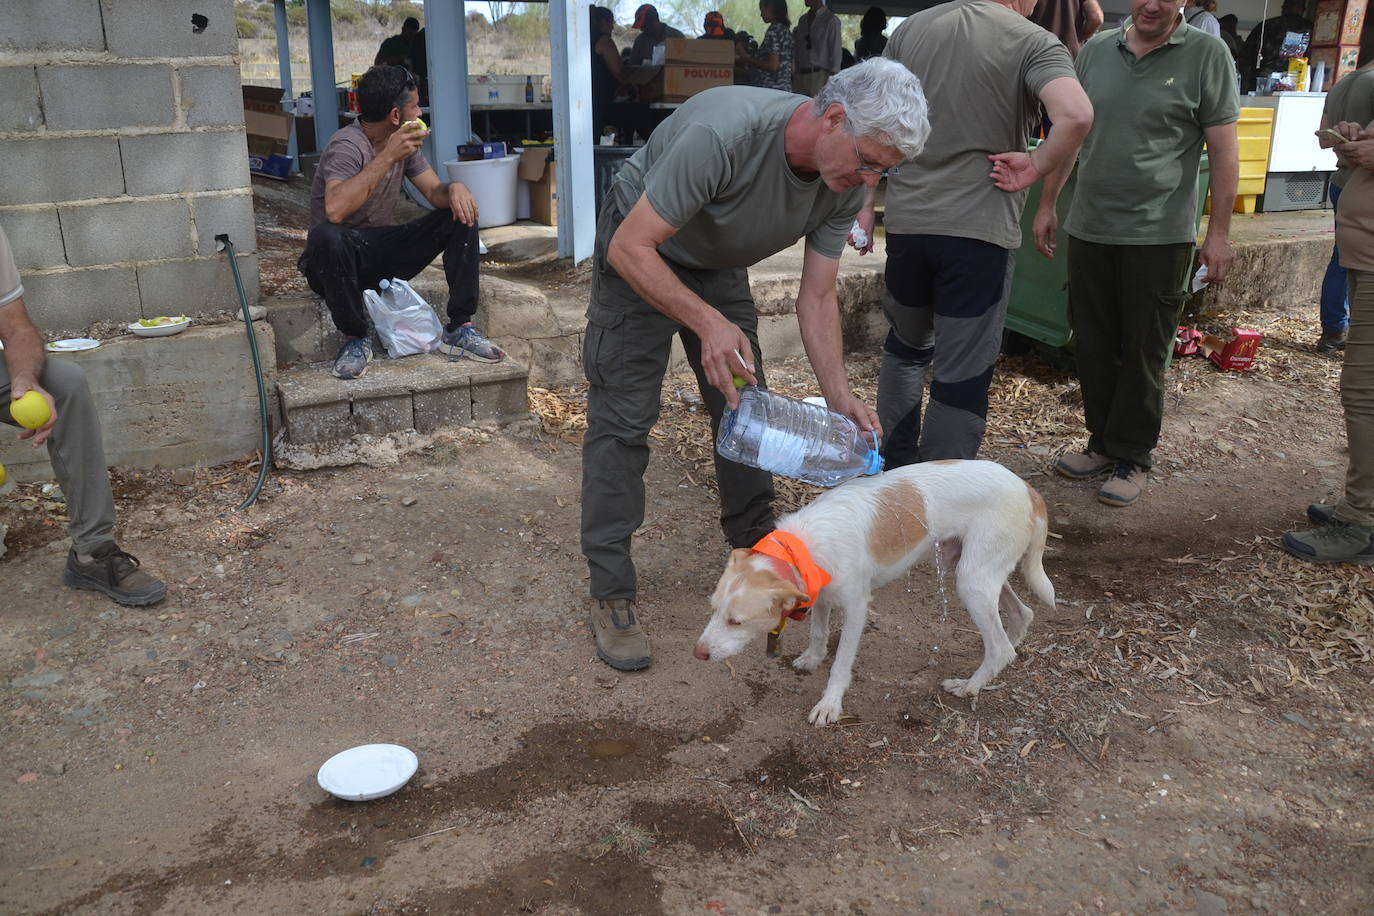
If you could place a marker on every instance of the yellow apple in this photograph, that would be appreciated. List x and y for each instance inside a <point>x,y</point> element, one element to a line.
<point>31,411</point>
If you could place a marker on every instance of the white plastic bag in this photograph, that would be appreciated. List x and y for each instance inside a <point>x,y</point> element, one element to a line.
<point>404,320</point>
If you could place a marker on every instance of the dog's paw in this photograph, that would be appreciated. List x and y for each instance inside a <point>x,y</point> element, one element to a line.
<point>959,687</point>
<point>826,712</point>
<point>808,661</point>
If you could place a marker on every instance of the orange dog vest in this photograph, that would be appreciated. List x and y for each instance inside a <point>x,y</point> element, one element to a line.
<point>787,547</point>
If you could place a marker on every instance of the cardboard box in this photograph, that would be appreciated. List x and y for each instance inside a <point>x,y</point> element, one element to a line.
<point>269,132</point>
<point>1235,352</point>
<point>679,82</point>
<point>536,167</point>
<point>468,152</point>
<point>708,52</point>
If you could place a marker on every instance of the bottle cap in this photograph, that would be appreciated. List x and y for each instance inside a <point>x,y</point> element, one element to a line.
<point>875,458</point>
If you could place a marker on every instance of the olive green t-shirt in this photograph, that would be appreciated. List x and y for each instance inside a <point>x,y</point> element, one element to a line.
<point>982,67</point>
<point>1351,99</point>
<point>1137,172</point>
<point>717,171</point>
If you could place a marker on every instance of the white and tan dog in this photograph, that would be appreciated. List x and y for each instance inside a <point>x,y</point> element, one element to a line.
<point>867,532</point>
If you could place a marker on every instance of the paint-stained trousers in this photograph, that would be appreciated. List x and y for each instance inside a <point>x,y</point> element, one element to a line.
<point>76,453</point>
<point>625,356</point>
<point>946,304</point>
<point>1357,397</point>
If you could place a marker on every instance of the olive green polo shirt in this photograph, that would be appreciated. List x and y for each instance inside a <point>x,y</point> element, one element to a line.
<point>1137,172</point>
<point>717,171</point>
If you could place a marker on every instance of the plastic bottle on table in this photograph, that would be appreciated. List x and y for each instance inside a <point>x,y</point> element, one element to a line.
<point>788,437</point>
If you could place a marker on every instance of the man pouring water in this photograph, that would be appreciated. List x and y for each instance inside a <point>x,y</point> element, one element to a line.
<point>735,175</point>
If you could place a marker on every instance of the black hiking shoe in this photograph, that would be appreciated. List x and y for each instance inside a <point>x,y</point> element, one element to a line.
<point>1334,542</point>
<point>116,573</point>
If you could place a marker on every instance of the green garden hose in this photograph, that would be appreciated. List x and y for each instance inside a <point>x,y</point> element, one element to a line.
<point>228,246</point>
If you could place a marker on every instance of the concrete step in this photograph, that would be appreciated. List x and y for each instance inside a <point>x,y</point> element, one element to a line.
<point>424,392</point>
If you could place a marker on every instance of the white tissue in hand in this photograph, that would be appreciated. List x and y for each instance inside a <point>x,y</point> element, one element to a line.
<point>857,234</point>
<point>1199,278</point>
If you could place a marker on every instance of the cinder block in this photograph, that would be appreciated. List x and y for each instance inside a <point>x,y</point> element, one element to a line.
<point>211,96</point>
<point>35,237</point>
<point>501,397</point>
<point>19,89</point>
<point>188,399</point>
<point>181,162</point>
<point>164,29</point>
<point>443,407</point>
<point>67,168</point>
<point>199,285</point>
<point>71,300</point>
<point>107,95</point>
<point>318,422</point>
<point>41,25</point>
<point>296,328</point>
<point>378,416</point>
<point>135,230</point>
<point>232,215</point>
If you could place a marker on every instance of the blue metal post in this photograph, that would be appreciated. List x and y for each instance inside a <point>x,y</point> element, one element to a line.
<point>321,35</point>
<point>446,42</point>
<point>570,33</point>
<point>287,95</point>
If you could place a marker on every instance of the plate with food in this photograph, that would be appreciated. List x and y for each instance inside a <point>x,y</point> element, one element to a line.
<point>161,326</point>
<point>72,345</point>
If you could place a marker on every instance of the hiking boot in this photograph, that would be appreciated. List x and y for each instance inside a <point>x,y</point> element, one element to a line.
<point>469,342</point>
<point>1126,484</point>
<point>353,358</point>
<point>620,641</point>
<point>115,573</point>
<point>1334,542</point>
<point>1320,513</point>
<point>1084,464</point>
<point>1331,341</point>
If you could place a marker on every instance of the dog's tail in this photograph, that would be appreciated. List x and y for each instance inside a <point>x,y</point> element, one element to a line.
<point>1031,569</point>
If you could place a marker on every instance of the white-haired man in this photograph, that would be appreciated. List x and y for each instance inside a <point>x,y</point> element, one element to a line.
<point>736,174</point>
<point>953,216</point>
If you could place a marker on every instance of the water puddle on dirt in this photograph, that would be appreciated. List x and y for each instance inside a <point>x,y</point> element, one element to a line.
<point>609,748</point>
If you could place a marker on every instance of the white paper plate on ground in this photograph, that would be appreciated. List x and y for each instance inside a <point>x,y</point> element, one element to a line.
<point>368,771</point>
<point>161,330</point>
<point>73,345</point>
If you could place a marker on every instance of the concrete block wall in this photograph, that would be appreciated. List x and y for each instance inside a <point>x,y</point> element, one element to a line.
<point>123,151</point>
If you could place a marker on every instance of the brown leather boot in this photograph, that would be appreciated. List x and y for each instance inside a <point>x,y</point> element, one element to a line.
<point>620,641</point>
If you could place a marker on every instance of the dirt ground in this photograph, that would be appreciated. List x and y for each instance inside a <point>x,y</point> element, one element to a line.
<point>1188,731</point>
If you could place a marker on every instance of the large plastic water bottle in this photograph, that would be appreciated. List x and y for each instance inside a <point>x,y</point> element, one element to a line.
<point>788,437</point>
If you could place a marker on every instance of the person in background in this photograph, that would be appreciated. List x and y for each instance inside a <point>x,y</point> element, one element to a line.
<point>606,68</point>
<point>1201,15</point>
<point>1344,533</point>
<point>399,50</point>
<point>352,243</point>
<point>733,176</point>
<point>72,434</point>
<point>871,40</point>
<point>1229,24</point>
<point>1072,21</point>
<point>652,32</point>
<point>713,26</point>
<point>770,66</point>
<point>952,227</point>
<point>1259,56</point>
<point>817,48</point>
<point>1351,99</point>
<point>1132,226</point>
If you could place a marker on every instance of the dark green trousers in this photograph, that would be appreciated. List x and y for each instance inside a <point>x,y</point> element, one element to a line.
<point>625,354</point>
<point>1124,305</point>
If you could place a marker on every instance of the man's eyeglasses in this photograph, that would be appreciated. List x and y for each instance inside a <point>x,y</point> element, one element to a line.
<point>864,168</point>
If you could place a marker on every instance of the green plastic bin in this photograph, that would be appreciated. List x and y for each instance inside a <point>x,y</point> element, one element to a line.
<point>1039,303</point>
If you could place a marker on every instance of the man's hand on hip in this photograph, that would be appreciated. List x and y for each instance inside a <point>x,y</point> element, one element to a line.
<point>1013,171</point>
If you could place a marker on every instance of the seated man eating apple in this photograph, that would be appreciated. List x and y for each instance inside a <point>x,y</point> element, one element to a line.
<point>352,243</point>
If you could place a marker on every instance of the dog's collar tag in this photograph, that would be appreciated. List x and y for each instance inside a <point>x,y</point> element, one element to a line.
<point>790,549</point>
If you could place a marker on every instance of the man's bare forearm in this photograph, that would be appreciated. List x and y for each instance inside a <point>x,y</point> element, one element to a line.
<point>24,357</point>
<point>343,199</point>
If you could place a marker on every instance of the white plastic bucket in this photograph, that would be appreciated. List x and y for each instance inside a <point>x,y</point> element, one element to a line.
<point>492,183</point>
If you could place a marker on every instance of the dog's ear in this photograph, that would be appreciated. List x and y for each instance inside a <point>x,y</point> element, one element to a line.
<point>786,596</point>
<point>737,556</point>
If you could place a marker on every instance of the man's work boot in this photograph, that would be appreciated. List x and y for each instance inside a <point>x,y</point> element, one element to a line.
<point>1320,513</point>
<point>1334,542</point>
<point>115,573</point>
<point>620,641</point>
<point>1331,341</point>
<point>1084,464</point>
